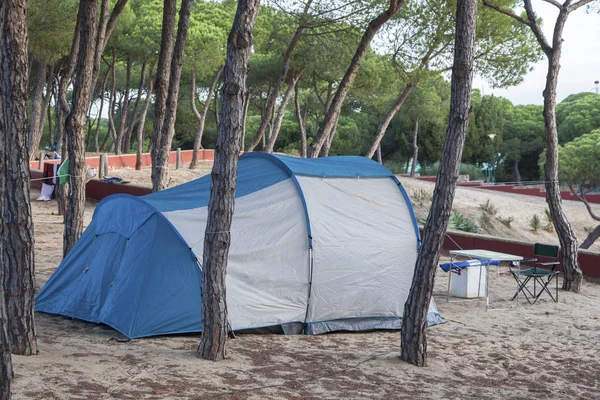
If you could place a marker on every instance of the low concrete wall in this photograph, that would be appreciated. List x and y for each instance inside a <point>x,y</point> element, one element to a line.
<point>128,160</point>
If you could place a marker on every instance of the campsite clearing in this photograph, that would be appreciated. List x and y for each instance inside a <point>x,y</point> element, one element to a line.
<point>547,350</point>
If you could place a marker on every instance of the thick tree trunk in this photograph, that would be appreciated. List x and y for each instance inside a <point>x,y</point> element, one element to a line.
<point>17,236</point>
<point>271,99</point>
<point>301,122</point>
<point>281,112</point>
<point>517,173</point>
<point>134,119</point>
<point>160,164</point>
<point>414,321</point>
<point>140,126</point>
<point>161,84</point>
<point>121,136</point>
<point>327,126</point>
<point>75,123</point>
<point>6,370</point>
<point>201,117</point>
<point>36,106</point>
<point>382,128</point>
<point>224,174</point>
<point>415,146</point>
<point>573,276</point>
<point>325,149</point>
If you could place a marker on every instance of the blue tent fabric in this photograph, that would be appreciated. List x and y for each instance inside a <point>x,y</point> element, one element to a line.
<point>132,270</point>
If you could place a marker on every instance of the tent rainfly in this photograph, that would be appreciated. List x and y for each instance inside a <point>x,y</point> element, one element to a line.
<point>317,245</point>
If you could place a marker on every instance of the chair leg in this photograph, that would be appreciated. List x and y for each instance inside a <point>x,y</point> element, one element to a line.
<point>544,284</point>
<point>523,289</point>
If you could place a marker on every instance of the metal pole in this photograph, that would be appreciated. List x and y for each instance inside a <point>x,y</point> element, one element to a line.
<point>178,159</point>
<point>41,163</point>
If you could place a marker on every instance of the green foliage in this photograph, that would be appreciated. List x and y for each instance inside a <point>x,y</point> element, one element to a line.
<point>535,224</point>
<point>459,222</point>
<point>579,161</point>
<point>549,227</point>
<point>51,24</point>
<point>474,172</point>
<point>577,115</point>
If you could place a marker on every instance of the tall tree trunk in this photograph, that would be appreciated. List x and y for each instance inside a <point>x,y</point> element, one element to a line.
<point>160,164</point>
<point>111,103</point>
<point>121,136</point>
<point>46,106</point>
<point>573,276</point>
<point>134,119</point>
<point>224,174</point>
<point>285,66</point>
<point>102,95</point>
<point>17,236</point>
<point>245,117</point>
<point>517,173</point>
<point>75,124</point>
<point>36,107</point>
<point>379,158</point>
<point>326,128</point>
<point>140,126</point>
<point>162,79</point>
<point>415,146</point>
<point>382,128</point>
<point>325,149</point>
<point>90,124</point>
<point>201,117</point>
<point>414,321</point>
<point>301,122</point>
<point>281,112</point>
<point>217,115</point>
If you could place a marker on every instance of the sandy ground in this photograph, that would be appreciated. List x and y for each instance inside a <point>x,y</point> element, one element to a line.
<point>548,350</point>
<point>176,177</point>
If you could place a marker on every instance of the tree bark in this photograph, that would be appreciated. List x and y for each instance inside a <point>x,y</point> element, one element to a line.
<point>160,163</point>
<point>217,116</point>
<point>102,95</point>
<point>591,238</point>
<point>17,236</point>
<point>382,128</point>
<point>415,145</point>
<point>332,115</point>
<point>301,122</point>
<point>573,276</point>
<point>36,106</point>
<point>201,117</point>
<point>379,158</point>
<point>224,174</point>
<point>271,99</point>
<point>281,112</point>
<point>245,117</point>
<point>414,321</point>
<point>134,112</point>
<point>121,136</point>
<point>140,126</point>
<point>517,173</point>
<point>161,84</point>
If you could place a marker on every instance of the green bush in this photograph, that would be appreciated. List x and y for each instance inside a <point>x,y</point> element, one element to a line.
<point>535,223</point>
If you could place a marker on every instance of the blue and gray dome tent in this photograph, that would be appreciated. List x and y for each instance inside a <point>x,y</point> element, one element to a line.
<point>316,245</point>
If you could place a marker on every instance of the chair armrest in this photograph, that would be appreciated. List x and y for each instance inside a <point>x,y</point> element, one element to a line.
<point>549,263</point>
<point>528,260</point>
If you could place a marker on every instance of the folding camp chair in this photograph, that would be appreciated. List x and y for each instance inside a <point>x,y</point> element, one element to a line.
<point>542,273</point>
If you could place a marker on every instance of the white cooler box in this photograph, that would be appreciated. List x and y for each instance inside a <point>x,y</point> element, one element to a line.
<point>465,284</point>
